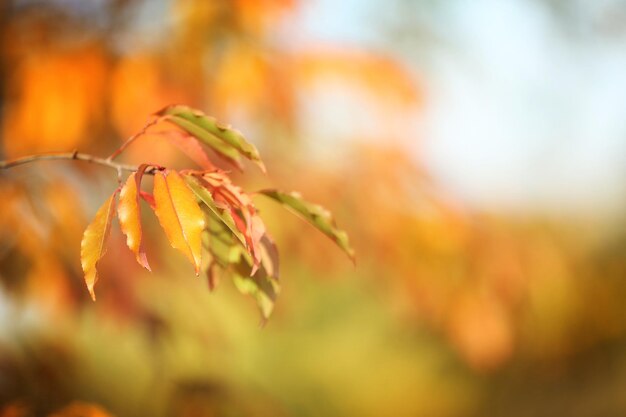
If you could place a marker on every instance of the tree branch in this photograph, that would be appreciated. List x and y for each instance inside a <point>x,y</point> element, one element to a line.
<point>73,156</point>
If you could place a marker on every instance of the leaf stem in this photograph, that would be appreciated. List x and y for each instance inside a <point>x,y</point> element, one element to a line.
<point>134,137</point>
<point>72,156</point>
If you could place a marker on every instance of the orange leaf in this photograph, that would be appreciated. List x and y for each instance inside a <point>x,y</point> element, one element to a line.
<point>129,214</point>
<point>93,245</point>
<point>179,215</point>
<point>190,146</point>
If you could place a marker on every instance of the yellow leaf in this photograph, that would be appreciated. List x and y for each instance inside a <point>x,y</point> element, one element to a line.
<point>129,214</point>
<point>179,215</point>
<point>93,245</point>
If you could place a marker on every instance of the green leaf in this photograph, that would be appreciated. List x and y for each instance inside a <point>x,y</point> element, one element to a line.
<point>208,129</point>
<point>262,290</point>
<point>224,249</point>
<point>224,150</point>
<point>205,197</point>
<point>317,215</point>
<point>230,259</point>
<point>262,286</point>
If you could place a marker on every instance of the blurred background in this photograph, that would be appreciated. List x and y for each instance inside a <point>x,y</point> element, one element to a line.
<point>475,151</point>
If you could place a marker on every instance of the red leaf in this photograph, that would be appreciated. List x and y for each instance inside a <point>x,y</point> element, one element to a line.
<point>148,198</point>
<point>190,146</point>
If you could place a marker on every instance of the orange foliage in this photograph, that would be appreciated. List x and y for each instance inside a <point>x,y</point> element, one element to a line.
<point>257,15</point>
<point>58,102</point>
<point>481,330</point>
<point>492,287</point>
<point>384,77</point>
<point>81,409</point>
<point>26,224</point>
<point>138,88</point>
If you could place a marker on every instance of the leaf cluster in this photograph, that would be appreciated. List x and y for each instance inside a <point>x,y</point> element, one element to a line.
<point>203,214</point>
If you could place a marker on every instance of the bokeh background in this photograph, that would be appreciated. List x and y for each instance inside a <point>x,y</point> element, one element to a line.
<point>475,151</point>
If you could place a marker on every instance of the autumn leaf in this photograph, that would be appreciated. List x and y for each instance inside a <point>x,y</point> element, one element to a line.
<point>212,275</point>
<point>255,230</point>
<point>228,258</point>
<point>222,247</point>
<point>226,152</point>
<point>207,199</point>
<point>223,139</point>
<point>93,244</point>
<point>263,285</point>
<point>234,208</point>
<point>317,215</point>
<point>129,215</point>
<point>179,215</point>
<point>148,198</point>
<point>225,191</point>
<point>190,146</point>
<point>197,209</point>
<point>269,257</point>
<point>263,289</point>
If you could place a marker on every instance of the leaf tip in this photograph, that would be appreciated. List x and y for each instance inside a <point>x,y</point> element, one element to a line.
<point>143,261</point>
<point>93,295</point>
<point>352,257</point>
<point>261,166</point>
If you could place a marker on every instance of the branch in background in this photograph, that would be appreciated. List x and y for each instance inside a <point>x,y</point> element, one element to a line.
<point>72,156</point>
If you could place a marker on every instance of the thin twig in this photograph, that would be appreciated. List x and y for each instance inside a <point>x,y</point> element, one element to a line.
<point>134,137</point>
<point>72,156</point>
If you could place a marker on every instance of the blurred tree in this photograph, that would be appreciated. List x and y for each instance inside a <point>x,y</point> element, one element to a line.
<point>452,311</point>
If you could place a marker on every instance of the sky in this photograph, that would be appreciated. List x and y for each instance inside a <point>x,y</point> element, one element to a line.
<point>520,114</point>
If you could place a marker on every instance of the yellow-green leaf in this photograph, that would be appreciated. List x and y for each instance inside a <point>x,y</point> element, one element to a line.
<point>129,215</point>
<point>93,244</point>
<point>230,259</point>
<point>227,152</point>
<point>263,286</point>
<point>235,209</point>
<point>205,197</point>
<point>179,215</point>
<point>317,215</point>
<point>204,127</point>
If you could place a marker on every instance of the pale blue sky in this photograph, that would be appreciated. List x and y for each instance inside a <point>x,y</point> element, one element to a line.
<point>520,116</point>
